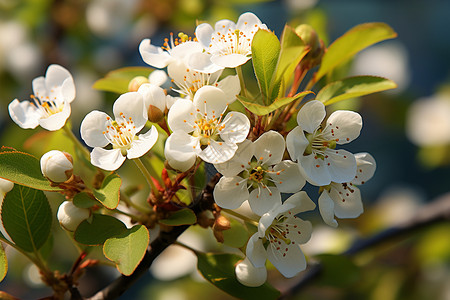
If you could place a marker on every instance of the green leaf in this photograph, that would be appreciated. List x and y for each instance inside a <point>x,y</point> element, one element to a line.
<point>237,235</point>
<point>183,216</point>
<point>219,270</point>
<point>84,200</point>
<point>117,81</point>
<point>338,271</point>
<point>265,51</point>
<point>109,193</point>
<point>128,249</point>
<point>353,87</point>
<point>27,217</point>
<point>24,169</point>
<point>353,41</point>
<point>293,49</point>
<point>98,230</point>
<point>262,110</point>
<point>3,263</point>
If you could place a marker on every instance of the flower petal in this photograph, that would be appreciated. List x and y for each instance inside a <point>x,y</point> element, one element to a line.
<point>179,151</point>
<point>158,77</point>
<point>347,201</point>
<point>181,116</point>
<point>341,165</point>
<point>56,121</point>
<point>217,152</point>
<point>201,62</point>
<point>311,115</point>
<point>299,231</point>
<point>109,160</point>
<point>269,148</point>
<point>239,162</point>
<point>58,80</point>
<point>231,192</point>
<point>92,128</point>
<point>365,168</point>
<point>315,170</point>
<point>211,101</point>
<point>154,56</point>
<point>24,114</point>
<point>203,33</point>
<point>299,202</point>
<point>130,106</point>
<point>296,143</point>
<point>236,127</point>
<point>185,50</point>
<point>247,22</point>
<point>287,177</point>
<point>231,87</point>
<point>153,95</point>
<point>143,144</point>
<point>262,200</point>
<point>326,208</point>
<point>230,60</point>
<point>343,126</point>
<point>249,275</point>
<point>289,260</point>
<point>255,251</point>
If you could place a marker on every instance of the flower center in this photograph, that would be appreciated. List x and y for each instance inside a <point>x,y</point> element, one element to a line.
<point>171,43</point>
<point>318,144</point>
<point>233,41</point>
<point>120,133</point>
<point>47,106</point>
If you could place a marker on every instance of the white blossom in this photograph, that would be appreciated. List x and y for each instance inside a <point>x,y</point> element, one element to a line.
<point>70,216</point>
<point>249,275</point>
<point>56,165</point>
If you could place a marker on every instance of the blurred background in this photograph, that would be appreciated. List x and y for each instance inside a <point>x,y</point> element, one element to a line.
<point>407,130</point>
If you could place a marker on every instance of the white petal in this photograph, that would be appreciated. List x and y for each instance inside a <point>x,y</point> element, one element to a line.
<point>217,152</point>
<point>365,168</point>
<point>290,264</point>
<point>231,87</point>
<point>315,170</point>
<point>326,208</point>
<point>154,56</point>
<point>24,114</point>
<point>287,177</point>
<point>153,95</point>
<point>56,121</point>
<point>109,160</point>
<point>210,100</point>
<point>255,251</point>
<point>341,165</point>
<point>57,77</point>
<point>296,143</point>
<point>239,162</point>
<point>262,200</point>
<point>266,220</point>
<point>5,186</point>
<point>247,22</point>
<point>39,88</point>
<point>223,26</point>
<point>201,62</point>
<point>158,77</point>
<point>236,127</point>
<point>347,201</point>
<point>130,105</point>
<point>343,126</point>
<point>186,49</point>
<point>92,128</point>
<point>299,231</point>
<point>181,116</point>
<point>231,60</point>
<point>269,148</point>
<point>311,115</point>
<point>143,144</point>
<point>231,192</point>
<point>299,202</point>
<point>249,275</point>
<point>203,33</point>
<point>179,151</point>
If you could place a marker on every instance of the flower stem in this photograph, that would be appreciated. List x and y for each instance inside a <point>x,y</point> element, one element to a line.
<point>241,80</point>
<point>146,174</point>
<point>238,215</point>
<point>76,142</point>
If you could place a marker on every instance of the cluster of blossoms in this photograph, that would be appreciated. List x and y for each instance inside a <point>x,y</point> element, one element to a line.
<point>268,169</point>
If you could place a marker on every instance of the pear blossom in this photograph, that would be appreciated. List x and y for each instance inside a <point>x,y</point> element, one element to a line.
<point>5,186</point>
<point>50,105</point>
<point>200,129</point>
<point>280,233</point>
<point>257,167</point>
<point>343,200</point>
<point>57,166</point>
<point>248,275</point>
<point>313,146</point>
<point>98,130</point>
<point>70,216</point>
<point>229,43</point>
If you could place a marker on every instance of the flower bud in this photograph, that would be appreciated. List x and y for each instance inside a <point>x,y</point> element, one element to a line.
<point>136,82</point>
<point>70,216</point>
<point>310,38</point>
<point>57,166</point>
<point>249,275</point>
<point>5,186</point>
<point>155,115</point>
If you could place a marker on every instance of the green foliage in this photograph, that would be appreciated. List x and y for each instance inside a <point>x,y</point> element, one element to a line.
<point>24,169</point>
<point>338,271</point>
<point>127,249</point>
<point>180,217</point>
<point>98,230</point>
<point>109,193</point>
<point>237,235</point>
<point>353,41</point>
<point>117,81</point>
<point>262,110</point>
<point>27,217</point>
<point>3,263</point>
<point>219,270</point>
<point>83,200</point>
<point>353,87</point>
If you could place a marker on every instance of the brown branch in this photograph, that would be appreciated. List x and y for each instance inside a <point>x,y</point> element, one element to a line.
<point>114,290</point>
<point>435,212</point>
